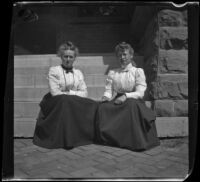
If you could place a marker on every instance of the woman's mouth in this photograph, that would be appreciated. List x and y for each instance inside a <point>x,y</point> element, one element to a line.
<point>123,61</point>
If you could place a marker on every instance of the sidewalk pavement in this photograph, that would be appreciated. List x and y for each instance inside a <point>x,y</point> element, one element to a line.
<point>169,160</point>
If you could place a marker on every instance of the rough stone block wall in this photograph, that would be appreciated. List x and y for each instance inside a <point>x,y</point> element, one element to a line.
<point>165,50</point>
<point>172,80</point>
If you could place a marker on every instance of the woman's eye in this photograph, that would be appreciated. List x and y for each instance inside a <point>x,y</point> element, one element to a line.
<point>68,57</point>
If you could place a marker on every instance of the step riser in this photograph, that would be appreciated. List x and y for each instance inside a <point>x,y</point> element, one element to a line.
<point>31,109</point>
<point>33,94</point>
<point>26,109</point>
<point>41,80</point>
<point>43,61</point>
<point>166,127</point>
<point>172,126</point>
<point>101,70</point>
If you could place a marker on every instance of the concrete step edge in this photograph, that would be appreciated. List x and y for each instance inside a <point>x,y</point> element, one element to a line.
<point>166,126</point>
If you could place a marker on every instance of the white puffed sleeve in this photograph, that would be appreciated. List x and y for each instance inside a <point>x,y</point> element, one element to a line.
<point>140,85</point>
<point>108,85</point>
<point>81,88</point>
<point>53,77</point>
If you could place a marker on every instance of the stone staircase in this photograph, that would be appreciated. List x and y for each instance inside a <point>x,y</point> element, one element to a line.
<point>31,84</point>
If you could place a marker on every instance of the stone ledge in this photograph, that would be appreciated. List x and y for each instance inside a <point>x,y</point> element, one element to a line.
<point>166,126</point>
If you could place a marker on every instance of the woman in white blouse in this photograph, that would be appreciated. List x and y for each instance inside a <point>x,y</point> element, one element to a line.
<point>123,118</point>
<point>66,119</point>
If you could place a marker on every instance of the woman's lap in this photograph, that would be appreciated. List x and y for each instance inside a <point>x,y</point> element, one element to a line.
<point>65,121</point>
<point>129,125</point>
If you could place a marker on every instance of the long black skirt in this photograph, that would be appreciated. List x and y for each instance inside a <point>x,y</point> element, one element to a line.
<point>65,121</point>
<point>130,125</point>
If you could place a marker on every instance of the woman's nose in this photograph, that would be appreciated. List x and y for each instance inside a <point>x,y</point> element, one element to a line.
<point>122,57</point>
<point>67,58</point>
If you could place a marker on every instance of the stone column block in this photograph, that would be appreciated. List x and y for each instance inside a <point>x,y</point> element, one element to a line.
<point>168,86</point>
<point>168,17</point>
<point>173,38</point>
<point>181,107</point>
<point>171,108</point>
<point>173,61</point>
<point>164,108</point>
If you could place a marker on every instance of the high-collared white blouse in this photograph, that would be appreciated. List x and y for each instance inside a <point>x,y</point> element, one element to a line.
<point>129,80</point>
<point>60,82</point>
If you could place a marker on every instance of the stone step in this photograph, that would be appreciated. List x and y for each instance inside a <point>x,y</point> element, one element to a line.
<point>52,60</point>
<point>86,69</point>
<point>172,126</point>
<point>28,80</point>
<point>166,126</point>
<point>31,109</point>
<point>35,94</point>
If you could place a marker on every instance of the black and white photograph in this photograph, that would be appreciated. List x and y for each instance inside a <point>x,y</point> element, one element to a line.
<point>101,91</point>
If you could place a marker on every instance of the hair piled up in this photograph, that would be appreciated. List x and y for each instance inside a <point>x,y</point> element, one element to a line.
<point>123,46</point>
<point>67,46</point>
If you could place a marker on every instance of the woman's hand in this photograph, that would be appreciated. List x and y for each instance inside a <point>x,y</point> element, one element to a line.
<point>104,99</point>
<point>120,99</point>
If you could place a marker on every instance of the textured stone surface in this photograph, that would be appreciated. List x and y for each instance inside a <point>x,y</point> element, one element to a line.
<point>172,126</point>
<point>173,38</point>
<point>164,108</point>
<point>173,61</point>
<point>170,86</point>
<point>168,90</point>
<point>169,17</point>
<point>181,107</point>
<point>171,108</point>
<point>183,87</point>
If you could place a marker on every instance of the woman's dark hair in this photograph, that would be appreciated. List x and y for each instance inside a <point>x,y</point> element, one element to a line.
<point>123,46</point>
<point>67,46</point>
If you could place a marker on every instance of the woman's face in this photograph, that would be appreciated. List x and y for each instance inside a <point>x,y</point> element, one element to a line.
<point>68,58</point>
<point>125,57</point>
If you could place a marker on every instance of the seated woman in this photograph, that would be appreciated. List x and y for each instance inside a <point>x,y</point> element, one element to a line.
<point>123,118</point>
<point>66,119</point>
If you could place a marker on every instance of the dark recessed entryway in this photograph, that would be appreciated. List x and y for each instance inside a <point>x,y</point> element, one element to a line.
<point>93,28</point>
